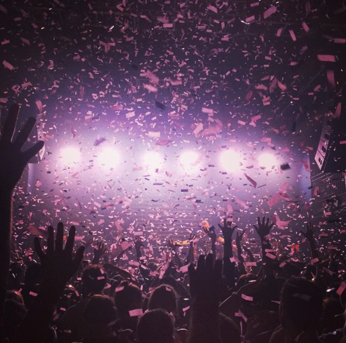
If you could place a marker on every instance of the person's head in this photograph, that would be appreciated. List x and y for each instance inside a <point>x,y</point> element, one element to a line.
<point>155,326</point>
<point>15,275</point>
<point>33,275</point>
<point>13,315</point>
<point>301,305</point>
<point>163,297</point>
<point>229,331</point>
<point>94,280</point>
<point>169,280</point>
<point>127,297</point>
<point>15,296</point>
<point>245,279</point>
<point>100,314</point>
<point>332,317</point>
<point>68,298</point>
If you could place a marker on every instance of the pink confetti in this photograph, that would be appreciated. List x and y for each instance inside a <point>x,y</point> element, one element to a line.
<point>150,87</point>
<point>39,105</point>
<point>252,181</point>
<point>331,78</point>
<point>212,8</point>
<point>3,9</point>
<point>337,110</point>
<point>99,141</point>
<point>269,12</point>
<point>305,26</point>
<point>25,41</point>
<point>282,86</point>
<point>249,19</point>
<point>154,134</point>
<point>7,65</point>
<point>136,313</point>
<point>340,40</point>
<point>38,184</point>
<point>293,36</point>
<point>326,58</point>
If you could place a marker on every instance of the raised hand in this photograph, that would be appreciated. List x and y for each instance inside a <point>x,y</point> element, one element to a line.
<point>206,279</point>
<point>227,229</point>
<point>211,233</point>
<point>263,228</point>
<point>12,159</point>
<point>239,237</point>
<point>57,262</point>
<point>138,244</point>
<point>99,250</point>
<point>171,244</point>
<point>309,234</point>
<point>192,236</point>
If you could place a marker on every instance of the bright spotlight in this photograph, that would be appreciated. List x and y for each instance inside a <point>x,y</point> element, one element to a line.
<point>267,161</point>
<point>153,160</point>
<point>230,160</point>
<point>108,157</point>
<point>189,160</point>
<point>70,155</point>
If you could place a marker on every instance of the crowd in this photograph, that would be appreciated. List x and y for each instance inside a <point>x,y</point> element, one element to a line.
<point>67,297</point>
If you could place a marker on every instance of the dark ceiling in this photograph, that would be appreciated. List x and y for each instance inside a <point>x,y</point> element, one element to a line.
<point>238,59</point>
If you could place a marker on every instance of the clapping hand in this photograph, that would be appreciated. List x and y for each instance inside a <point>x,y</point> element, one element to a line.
<point>227,229</point>
<point>12,159</point>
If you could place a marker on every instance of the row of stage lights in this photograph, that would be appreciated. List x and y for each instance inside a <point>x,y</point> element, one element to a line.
<point>230,160</point>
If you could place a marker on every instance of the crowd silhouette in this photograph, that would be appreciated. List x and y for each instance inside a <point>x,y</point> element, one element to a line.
<point>71,296</point>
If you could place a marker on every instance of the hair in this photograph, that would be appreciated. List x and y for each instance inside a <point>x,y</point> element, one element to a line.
<point>302,302</point>
<point>13,315</point>
<point>169,280</point>
<point>94,279</point>
<point>244,280</point>
<point>163,297</point>
<point>33,275</point>
<point>155,326</point>
<point>229,331</point>
<point>127,298</point>
<point>100,309</point>
<point>333,318</point>
<point>15,296</point>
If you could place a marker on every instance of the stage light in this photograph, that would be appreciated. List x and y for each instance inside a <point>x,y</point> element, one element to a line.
<point>108,157</point>
<point>153,160</point>
<point>189,160</point>
<point>230,160</point>
<point>70,155</point>
<point>267,161</point>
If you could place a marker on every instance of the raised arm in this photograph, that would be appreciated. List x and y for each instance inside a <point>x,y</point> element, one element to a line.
<point>263,230</point>
<point>205,284</point>
<point>212,235</point>
<point>309,235</point>
<point>190,256</point>
<point>99,250</point>
<point>58,266</point>
<point>228,267</point>
<point>12,163</point>
<point>238,239</point>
